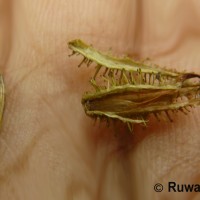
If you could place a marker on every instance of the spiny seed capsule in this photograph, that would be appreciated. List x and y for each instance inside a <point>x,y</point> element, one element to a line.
<point>130,91</point>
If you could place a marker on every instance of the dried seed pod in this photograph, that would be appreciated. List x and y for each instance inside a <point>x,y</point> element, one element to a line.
<point>133,90</point>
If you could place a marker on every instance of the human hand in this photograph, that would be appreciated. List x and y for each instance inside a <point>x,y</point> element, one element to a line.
<point>49,148</point>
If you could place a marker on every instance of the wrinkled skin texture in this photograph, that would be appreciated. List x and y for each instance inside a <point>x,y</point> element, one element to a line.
<point>49,149</point>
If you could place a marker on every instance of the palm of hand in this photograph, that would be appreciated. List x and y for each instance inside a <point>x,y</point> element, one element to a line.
<point>49,148</point>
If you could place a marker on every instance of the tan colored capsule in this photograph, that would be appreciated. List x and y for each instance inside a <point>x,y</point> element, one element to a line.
<point>130,91</point>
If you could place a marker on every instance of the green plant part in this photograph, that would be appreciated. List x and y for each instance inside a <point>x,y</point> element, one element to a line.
<point>130,91</point>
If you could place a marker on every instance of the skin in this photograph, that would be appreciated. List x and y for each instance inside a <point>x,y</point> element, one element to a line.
<point>49,148</point>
